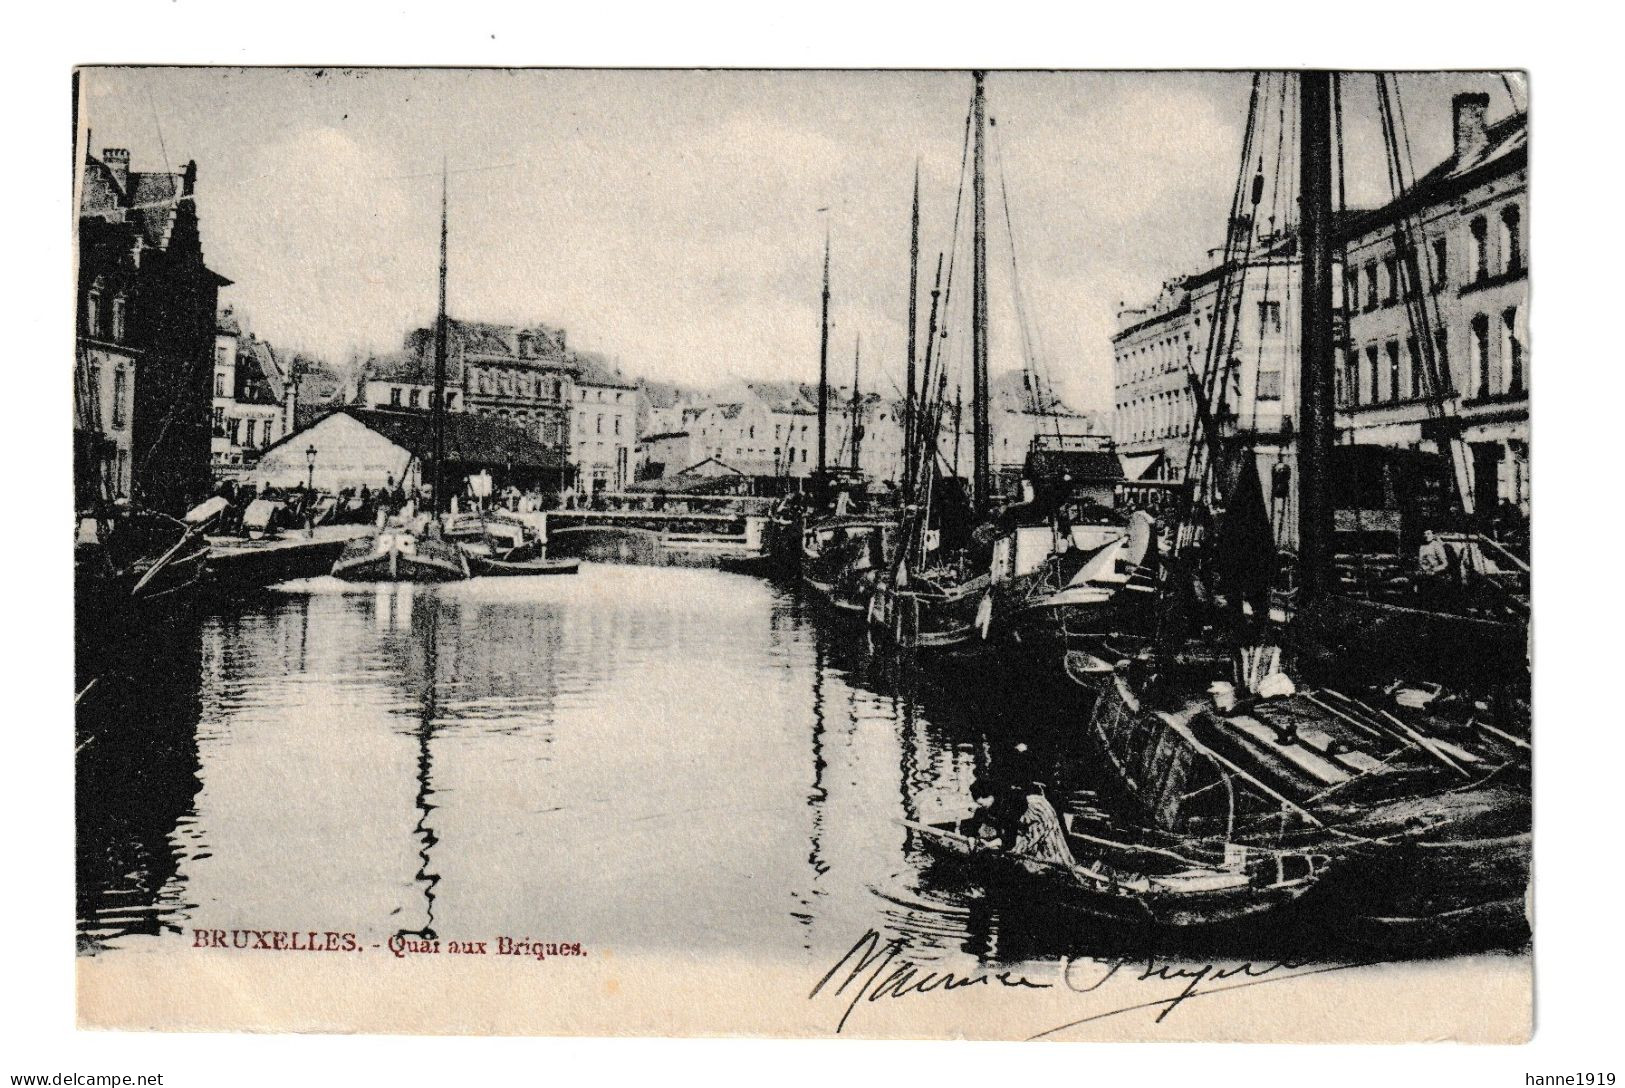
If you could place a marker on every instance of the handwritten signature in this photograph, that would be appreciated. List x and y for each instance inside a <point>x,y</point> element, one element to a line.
<point>876,970</point>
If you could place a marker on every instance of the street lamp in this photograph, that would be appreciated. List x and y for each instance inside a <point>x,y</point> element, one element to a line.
<point>310,490</point>
<point>310,467</point>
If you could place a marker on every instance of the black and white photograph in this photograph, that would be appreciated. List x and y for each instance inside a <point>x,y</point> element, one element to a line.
<point>954,553</point>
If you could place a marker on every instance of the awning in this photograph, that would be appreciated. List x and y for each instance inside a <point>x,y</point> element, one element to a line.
<point>1138,466</point>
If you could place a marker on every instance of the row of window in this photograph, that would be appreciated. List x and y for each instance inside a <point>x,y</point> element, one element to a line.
<point>1384,281</point>
<point>417,398</point>
<point>121,391</point>
<point>1386,373</point>
<point>248,433</point>
<point>104,321</point>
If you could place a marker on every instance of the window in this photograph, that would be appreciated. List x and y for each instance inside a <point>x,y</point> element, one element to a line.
<point>395,396</point>
<point>1351,291</point>
<point>220,422</point>
<point>1393,370</point>
<point>220,354</point>
<point>1441,347</point>
<point>1368,394</point>
<point>93,313</point>
<point>1390,267</point>
<point>121,381</point>
<point>118,316</point>
<point>122,472</point>
<point>451,400</point>
<point>617,424</point>
<point>265,435</point>
<point>249,439</point>
<point>414,398</point>
<point>1511,242</point>
<point>1512,350</point>
<point>219,384</point>
<point>1441,264</point>
<point>1481,356</point>
<point>1413,351</point>
<point>1481,248</point>
<point>1372,290</point>
<point>1269,317</point>
<point>600,424</point>
<point>1349,381</point>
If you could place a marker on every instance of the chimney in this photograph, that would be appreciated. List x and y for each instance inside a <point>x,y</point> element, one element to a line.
<point>117,159</point>
<point>1472,136</point>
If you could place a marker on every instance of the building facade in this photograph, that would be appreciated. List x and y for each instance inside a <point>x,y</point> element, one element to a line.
<point>604,430</point>
<point>254,399</point>
<point>1160,351</point>
<point>1450,257</point>
<point>524,374</point>
<point>146,302</point>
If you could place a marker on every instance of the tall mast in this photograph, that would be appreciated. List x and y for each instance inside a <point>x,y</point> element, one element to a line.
<point>439,405</point>
<point>981,439</point>
<point>909,408</point>
<point>1316,428</point>
<point>857,403</point>
<point>823,370</point>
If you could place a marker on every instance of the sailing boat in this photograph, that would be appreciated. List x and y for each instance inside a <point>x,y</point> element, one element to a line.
<point>1420,799</point>
<point>416,553</point>
<point>936,592</point>
<point>843,547</point>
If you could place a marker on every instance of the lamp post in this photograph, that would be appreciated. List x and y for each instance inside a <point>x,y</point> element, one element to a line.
<point>310,490</point>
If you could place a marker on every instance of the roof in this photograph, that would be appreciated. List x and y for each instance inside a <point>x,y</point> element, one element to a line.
<point>1083,466</point>
<point>783,397</point>
<point>226,322</point>
<point>258,380</point>
<point>663,394</point>
<point>1505,150</point>
<point>597,370</point>
<point>646,439</point>
<point>406,367</point>
<point>470,439</point>
<point>547,343</point>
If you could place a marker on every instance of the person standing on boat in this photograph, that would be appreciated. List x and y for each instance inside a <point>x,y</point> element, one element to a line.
<point>1433,561</point>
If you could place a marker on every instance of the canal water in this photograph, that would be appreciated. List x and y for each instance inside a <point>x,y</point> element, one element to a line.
<point>644,758</point>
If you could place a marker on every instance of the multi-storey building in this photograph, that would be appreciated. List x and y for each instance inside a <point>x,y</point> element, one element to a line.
<point>254,399</point>
<point>523,374</point>
<point>146,302</point>
<point>1161,349</point>
<point>604,431</point>
<point>1460,235</point>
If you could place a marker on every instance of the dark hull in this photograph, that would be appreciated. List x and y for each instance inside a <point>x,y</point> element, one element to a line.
<point>485,567</point>
<point>1411,841</point>
<point>242,568</point>
<point>426,560</point>
<point>1093,887</point>
<point>934,618</point>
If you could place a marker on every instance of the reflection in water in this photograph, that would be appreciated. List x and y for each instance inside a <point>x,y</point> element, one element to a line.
<point>638,758</point>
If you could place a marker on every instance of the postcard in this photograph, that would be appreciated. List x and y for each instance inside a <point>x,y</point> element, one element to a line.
<point>872,553</point>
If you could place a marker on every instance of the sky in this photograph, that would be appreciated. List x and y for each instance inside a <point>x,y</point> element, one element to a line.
<point>675,220</point>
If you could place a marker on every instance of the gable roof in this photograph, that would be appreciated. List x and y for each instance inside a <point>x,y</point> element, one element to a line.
<point>472,439</point>
<point>258,380</point>
<point>597,370</point>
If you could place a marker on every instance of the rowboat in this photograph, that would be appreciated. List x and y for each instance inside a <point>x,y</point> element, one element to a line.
<point>489,566</point>
<point>1133,882</point>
